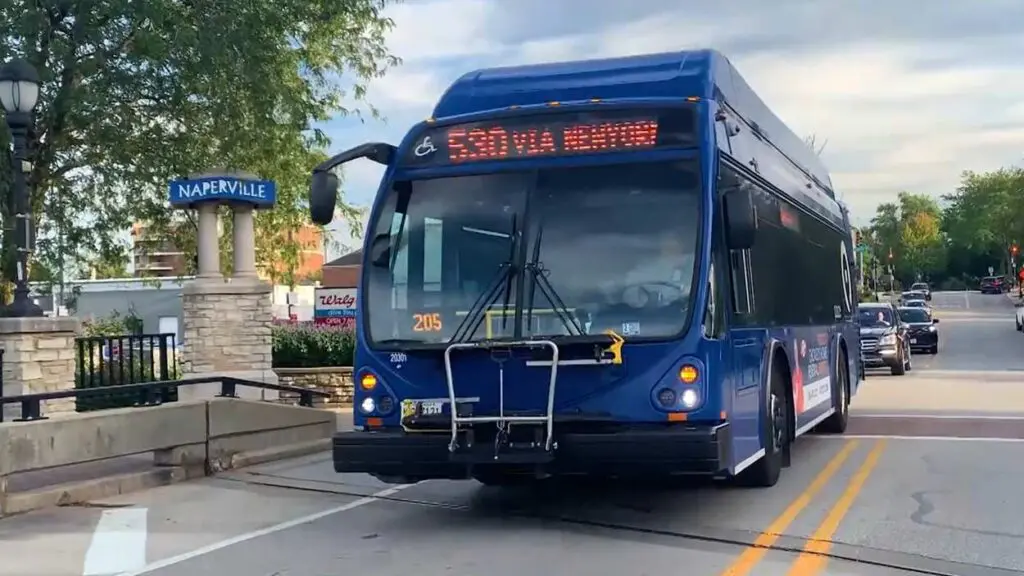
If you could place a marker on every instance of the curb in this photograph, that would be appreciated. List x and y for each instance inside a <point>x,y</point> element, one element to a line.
<point>85,491</point>
<point>95,489</point>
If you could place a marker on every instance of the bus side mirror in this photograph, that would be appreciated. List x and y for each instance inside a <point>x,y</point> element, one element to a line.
<point>740,218</point>
<point>323,191</point>
<point>323,197</point>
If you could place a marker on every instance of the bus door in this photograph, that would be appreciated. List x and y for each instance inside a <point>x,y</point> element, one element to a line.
<point>745,344</point>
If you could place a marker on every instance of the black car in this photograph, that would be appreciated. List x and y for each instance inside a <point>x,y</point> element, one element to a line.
<point>923,288</point>
<point>922,332</point>
<point>883,337</point>
<point>994,285</point>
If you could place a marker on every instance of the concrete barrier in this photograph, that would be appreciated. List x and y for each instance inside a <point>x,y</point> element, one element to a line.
<point>186,439</point>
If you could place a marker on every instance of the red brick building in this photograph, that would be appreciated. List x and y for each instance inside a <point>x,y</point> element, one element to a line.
<point>343,272</point>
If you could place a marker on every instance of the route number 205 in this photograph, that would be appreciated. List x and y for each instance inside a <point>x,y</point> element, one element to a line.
<point>427,322</point>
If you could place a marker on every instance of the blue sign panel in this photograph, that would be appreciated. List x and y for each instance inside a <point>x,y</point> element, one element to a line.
<point>261,193</point>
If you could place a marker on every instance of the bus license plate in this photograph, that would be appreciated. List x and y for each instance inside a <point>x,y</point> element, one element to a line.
<point>913,340</point>
<point>430,408</point>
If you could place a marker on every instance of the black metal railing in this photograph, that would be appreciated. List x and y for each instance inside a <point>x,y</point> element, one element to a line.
<point>110,361</point>
<point>150,393</point>
<point>1,383</point>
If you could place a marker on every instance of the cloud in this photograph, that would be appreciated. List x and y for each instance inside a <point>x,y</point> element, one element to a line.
<point>906,97</point>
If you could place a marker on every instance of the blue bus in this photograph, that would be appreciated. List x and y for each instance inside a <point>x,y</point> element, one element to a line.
<point>607,267</point>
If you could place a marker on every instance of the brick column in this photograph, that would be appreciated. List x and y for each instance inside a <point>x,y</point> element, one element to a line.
<point>39,356</point>
<point>226,332</point>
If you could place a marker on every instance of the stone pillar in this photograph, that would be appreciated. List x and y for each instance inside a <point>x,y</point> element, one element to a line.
<point>39,356</point>
<point>243,229</point>
<point>208,242</point>
<point>226,332</point>
<point>226,327</point>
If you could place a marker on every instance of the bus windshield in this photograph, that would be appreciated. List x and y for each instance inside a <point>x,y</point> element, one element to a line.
<point>875,317</point>
<point>568,251</point>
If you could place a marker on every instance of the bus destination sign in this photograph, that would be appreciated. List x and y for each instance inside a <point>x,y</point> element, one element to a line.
<point>551,136</point>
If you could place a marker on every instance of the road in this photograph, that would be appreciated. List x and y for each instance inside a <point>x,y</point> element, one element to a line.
<point>925,482</point>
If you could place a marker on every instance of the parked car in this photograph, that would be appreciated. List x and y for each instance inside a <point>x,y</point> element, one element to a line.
<point>994,285</point>
<point>883,338</point>
<point>912,295</point>
<point>923,288</point>
<point>922,330</point>
<point>918,303</point>
<point>1019,308</point>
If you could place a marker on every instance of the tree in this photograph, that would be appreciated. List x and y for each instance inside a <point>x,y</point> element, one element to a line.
<point>982,219</point>
<point>910,230</point>
<point>137,93</point>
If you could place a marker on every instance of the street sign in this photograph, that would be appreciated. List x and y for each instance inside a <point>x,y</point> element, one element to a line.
<point>862,247</point>
<point>186,192</point>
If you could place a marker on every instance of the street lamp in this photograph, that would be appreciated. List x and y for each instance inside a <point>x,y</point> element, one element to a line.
<point>19,93</point>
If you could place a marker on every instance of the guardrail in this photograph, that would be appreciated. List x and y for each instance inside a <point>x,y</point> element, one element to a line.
<point>150,393</point>
<point>185,439</point>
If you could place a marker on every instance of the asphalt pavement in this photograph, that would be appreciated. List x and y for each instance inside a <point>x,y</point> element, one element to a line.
<point>925,482</point>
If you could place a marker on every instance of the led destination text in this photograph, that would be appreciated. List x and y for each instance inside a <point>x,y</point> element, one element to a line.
<point>499,143</point>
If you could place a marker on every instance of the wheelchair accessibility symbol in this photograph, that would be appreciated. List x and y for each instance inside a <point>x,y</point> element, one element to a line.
<point>424,148</point>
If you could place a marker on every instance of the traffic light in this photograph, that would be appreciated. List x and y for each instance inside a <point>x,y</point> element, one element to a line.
<point>890,253</point>
<point>1013,249</point>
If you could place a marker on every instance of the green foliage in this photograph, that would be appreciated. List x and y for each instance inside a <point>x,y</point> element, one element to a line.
<point>135,94</point>
<point>868,295</point>
<point>116,324</point>
<point>309,346</point>
<point>955,244</point>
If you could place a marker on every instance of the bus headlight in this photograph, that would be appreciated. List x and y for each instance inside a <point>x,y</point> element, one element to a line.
<point>689,398</point>
<point>368,405</point>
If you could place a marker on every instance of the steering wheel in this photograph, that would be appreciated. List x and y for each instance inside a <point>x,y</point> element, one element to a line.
<point>639,296</point>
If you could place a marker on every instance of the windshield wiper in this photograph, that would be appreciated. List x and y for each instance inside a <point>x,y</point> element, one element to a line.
<point>401,342</point>
<point>540,280</point>
<point>478,310</point>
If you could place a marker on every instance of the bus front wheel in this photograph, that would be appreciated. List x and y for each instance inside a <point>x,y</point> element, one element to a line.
<point>766,471</point>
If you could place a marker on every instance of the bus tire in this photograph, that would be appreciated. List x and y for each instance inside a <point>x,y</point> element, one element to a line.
<point>766,471</point>
<point>836,423</point>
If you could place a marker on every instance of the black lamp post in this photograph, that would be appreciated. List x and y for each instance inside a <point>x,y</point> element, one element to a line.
<point>19,93</point>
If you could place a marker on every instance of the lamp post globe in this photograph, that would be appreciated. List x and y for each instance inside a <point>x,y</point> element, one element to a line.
<point>19,94</point>
<point>19,87</point>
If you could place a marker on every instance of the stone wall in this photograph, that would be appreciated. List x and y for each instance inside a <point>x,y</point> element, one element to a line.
<point>39,356</point>
<point>226,329</point>
<point>336,380</point>
<point>226,332</point>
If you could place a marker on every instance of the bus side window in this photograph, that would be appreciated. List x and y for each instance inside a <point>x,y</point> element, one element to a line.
<point>742,284</point>
<point>740,269</point>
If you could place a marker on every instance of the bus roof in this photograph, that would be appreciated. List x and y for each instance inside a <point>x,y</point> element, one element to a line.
<point>706,74</point>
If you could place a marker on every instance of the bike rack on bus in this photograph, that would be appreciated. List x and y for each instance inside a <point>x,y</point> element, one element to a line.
<point>503,422</point>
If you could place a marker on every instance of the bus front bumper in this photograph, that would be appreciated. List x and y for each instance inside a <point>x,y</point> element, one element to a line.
<point>678,449</point>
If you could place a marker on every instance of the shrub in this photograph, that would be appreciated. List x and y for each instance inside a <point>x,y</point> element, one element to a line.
<point>867,295</point>
<point>308,345</point>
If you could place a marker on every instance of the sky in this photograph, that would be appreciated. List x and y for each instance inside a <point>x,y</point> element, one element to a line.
<point>906,94</point>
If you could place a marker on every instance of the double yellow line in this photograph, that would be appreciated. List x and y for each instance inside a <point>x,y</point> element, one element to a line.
<point>812,559</point>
